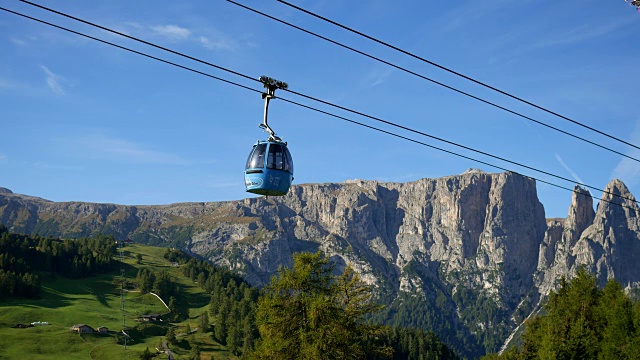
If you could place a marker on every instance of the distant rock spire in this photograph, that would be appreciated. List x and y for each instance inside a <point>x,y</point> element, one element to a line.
<point>612,243</point>
<point>556,257</point>
<point>580,216</point>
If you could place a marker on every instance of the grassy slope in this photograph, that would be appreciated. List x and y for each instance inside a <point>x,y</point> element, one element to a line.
<point>96,302</point>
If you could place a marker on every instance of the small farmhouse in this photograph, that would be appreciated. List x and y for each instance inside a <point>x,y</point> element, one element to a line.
<point>103,330</point>
<point>125,242</point>
<point>151,317</point>
<point>83,329</point>
<point>22,326</point>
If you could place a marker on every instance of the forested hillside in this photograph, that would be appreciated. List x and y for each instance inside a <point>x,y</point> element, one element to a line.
<point>23,258</point>
<point>306,312</point>
<point>224,312</point>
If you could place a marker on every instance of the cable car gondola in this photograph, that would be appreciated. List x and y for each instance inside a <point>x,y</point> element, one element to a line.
<point>269,168</point>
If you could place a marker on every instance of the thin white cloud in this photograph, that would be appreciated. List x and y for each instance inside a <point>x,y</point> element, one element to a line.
<point>381,78</point>
<point>171,32</point>
<point>18,42</point>
<point>376,77</point>
<point>20,88</point>
<point>219,43</point>
<point>217,182</point>
<point>566,167</point>
<point>119,150</point>
<point>53,81</point>
<point>168,32</point>
<point>134,25</point>
<point>583,33</point>
<point>209,38</point>
<point>3,156</point>
<point>462,15</point>
<point>48,166</point>
<point>628,170</point>
<point>9,85</point>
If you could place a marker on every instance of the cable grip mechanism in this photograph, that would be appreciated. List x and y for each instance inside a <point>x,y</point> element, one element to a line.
<point>271,85</point>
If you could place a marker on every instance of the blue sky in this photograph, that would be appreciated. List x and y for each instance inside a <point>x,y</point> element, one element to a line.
<point>82,121</point>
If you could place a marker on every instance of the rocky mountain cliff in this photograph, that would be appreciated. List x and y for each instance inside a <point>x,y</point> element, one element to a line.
<point>606,242</point>
<point>468,256</point>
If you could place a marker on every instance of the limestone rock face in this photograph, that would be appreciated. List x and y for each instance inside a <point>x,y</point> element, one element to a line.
<point>606,242</point>
<point>556,258</point>
<point>610,247</point>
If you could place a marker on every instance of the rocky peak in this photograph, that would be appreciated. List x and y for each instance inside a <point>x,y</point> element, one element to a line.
<point>618,206</point>
<point>555,257</point>
<point>612,242</point>
<point>580,216</point>
<point>616,191</point>
<point>5,191</point>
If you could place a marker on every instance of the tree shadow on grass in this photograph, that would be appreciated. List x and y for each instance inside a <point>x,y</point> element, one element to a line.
<point>99,286</point>
<point>212,348</point>
<point>140,332</point>
<point>102,299</point>
<point>184,344</point>
<point>49,298</point>
<point>194,301</point>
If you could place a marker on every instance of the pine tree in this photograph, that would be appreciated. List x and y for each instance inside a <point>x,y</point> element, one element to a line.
<point>214,303</point>
<point>195,353</point>
<point>201,280</point>
<point>305,313</point>
<point>171,336</point>
<point>146,354</point>
<point>617,311</point>
<point>220,326</point>
<point>173,307</point>
<point>582,322</point>
<point>250,334</point>
<point>234,338</point>
<point>204,322</point>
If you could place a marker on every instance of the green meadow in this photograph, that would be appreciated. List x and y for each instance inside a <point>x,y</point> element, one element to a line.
<point>96,301</point>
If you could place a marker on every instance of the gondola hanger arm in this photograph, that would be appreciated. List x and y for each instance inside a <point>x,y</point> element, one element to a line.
<point>271,85</point>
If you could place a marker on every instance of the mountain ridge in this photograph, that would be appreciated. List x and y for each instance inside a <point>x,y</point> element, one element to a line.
<point>474,236</point>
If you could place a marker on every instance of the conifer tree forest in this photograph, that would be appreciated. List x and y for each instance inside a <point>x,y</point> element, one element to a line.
<point>306,312</point>
<point>23,258</point>
<point>252,323</point>
<point>582,322</point>
<point>232,305</point>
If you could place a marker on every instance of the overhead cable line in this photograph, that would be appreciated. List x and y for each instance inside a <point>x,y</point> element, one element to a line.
<point>457,73</point>
<point>346,119</point>
<point>334,42</point>
<point>327,103</point>
<point>452,143</point>
<point>437,82</point>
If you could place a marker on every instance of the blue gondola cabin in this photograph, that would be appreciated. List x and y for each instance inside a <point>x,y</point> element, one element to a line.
<point>269,169</point>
